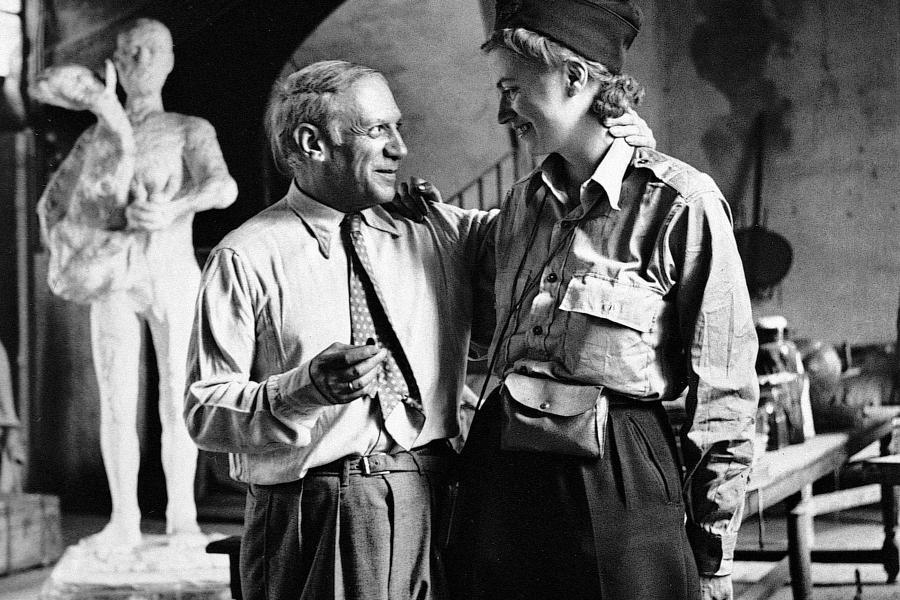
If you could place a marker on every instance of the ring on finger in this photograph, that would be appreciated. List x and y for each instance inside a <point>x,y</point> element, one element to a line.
<point>350,386</point>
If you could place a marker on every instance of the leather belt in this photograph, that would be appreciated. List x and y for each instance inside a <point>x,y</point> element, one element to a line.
<point>426,459</point>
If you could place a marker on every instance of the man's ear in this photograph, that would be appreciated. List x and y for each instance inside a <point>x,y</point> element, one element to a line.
<point>576,77</point>
<point>310,141</point>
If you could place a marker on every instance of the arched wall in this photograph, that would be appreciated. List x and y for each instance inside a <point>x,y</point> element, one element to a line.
<point>429,52</point>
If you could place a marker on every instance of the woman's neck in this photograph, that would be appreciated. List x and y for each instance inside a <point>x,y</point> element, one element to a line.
<point>586,153</point>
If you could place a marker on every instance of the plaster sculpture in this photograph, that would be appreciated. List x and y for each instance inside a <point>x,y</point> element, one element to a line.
<point>116,217</point>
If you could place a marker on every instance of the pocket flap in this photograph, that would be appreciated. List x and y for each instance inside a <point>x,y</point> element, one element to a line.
<point>628,305</point>
<point>550,396</point>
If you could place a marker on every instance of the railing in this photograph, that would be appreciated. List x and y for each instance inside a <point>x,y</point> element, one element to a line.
<point>488,189</point>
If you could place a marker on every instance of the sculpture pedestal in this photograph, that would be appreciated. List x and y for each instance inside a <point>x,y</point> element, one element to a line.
<point>160,568</point>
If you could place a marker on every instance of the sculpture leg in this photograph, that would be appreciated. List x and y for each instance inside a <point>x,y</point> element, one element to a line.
<point>179,453</point>
<point>115,346</point>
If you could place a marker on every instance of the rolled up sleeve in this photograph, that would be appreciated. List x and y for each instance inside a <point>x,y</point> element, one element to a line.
<point>717,326</point>
<point>226,408</point>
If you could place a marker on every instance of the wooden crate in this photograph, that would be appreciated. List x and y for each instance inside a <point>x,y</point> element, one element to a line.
<point>29,531</point>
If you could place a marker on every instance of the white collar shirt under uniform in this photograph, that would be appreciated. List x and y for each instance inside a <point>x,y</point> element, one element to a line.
<point>645,297</point>
<point>275,294</point>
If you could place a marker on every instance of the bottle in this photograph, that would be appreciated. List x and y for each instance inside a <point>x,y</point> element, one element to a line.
<point>779,367</point>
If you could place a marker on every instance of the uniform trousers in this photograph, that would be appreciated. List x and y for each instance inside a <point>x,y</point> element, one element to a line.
<point>343,536</point>
<point>531,525</point>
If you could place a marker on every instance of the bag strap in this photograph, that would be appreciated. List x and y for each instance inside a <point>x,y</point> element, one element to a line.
<point>530,283</point>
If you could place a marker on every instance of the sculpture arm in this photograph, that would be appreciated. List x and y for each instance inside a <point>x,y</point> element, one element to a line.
<point>207,185</point>
<point>212,186</point>
<point>99,168</point>
<point>96,173</point>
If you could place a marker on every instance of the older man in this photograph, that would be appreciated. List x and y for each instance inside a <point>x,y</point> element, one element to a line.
<point>343,444</point>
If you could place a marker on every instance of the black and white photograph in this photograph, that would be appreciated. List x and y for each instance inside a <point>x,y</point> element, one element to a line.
<point>449,299</point>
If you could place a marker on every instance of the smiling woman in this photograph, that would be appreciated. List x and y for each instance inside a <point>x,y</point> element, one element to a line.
<point>619,286</point>
<point>532,76</point>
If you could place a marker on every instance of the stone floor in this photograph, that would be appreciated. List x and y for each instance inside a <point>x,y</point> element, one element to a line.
<point>858,528</point>
<point>26,585</point>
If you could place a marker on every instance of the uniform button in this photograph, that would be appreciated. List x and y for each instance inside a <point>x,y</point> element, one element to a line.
<point>545,405</point>
<point>537,330</point>
<point>552,278</point>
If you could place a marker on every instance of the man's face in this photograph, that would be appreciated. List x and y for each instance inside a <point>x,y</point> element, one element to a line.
<point>364,156</point>
<point>533,102</point>
<point>143,60</point>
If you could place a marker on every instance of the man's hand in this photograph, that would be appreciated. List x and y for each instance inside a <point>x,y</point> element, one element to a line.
<point>413,199</point>
<point>344,373</point>
<point>716,587</point>
<point>633,128</point>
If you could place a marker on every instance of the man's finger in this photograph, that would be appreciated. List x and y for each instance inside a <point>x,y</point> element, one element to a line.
<point>363,367</point>
<point>360,383</point>
<point>425,191</point>
<point>336,358</point>
<point>357,354</point>
<point>343,392</point>
<point>624,130</point>
<point>641,140</point>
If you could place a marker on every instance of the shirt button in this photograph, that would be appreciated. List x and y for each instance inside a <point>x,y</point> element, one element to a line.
<point>537,330</point>
<point>545,405</point>
<point>552,278</point>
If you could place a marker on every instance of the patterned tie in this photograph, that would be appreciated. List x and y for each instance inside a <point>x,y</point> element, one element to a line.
<point>369,321</point>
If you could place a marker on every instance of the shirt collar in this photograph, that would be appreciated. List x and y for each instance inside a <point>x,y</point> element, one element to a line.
<point>324,223</point>
<point>609,172</point>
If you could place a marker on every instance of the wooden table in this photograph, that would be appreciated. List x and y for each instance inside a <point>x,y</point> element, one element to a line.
<point>788,474</point>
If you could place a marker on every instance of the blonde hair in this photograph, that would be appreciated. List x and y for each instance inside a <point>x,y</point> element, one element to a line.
<point>617,93</point>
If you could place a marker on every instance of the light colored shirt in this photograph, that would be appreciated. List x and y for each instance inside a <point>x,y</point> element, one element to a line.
<point>644,295</point>
<point>275,294</point>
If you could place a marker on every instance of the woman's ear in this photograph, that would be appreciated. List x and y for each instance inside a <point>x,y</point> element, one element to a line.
<point>309,141</point>
<point>576,77</point>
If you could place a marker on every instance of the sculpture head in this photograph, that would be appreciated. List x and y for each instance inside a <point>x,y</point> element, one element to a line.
<point>144,57</point>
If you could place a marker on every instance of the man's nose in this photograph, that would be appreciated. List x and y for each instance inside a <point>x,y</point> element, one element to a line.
<point>396,147</point>
<point>505,113</point>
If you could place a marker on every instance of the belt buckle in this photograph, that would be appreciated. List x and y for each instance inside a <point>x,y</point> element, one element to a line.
<point>367,467</point>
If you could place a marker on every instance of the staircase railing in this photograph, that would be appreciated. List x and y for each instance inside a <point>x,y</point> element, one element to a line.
<point>487,190</point>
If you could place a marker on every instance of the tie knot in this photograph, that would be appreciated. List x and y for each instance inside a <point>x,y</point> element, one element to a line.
<point>351,222</point>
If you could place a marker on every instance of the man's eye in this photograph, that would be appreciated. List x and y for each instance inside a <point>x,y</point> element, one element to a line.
<point>376,131</point>
<point>508,93</point>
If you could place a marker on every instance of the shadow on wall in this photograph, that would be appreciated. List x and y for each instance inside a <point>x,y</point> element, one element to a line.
<point>730,47</point>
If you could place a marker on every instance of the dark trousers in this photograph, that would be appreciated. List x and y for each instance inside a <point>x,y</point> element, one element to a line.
<point>531,525</point>
<point>350,537</point>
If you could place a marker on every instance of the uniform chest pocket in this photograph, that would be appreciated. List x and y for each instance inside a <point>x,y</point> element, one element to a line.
<point>620,303</point>
<point>609,332</point>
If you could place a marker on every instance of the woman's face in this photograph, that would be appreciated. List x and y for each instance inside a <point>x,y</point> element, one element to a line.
<point>534,101</point>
